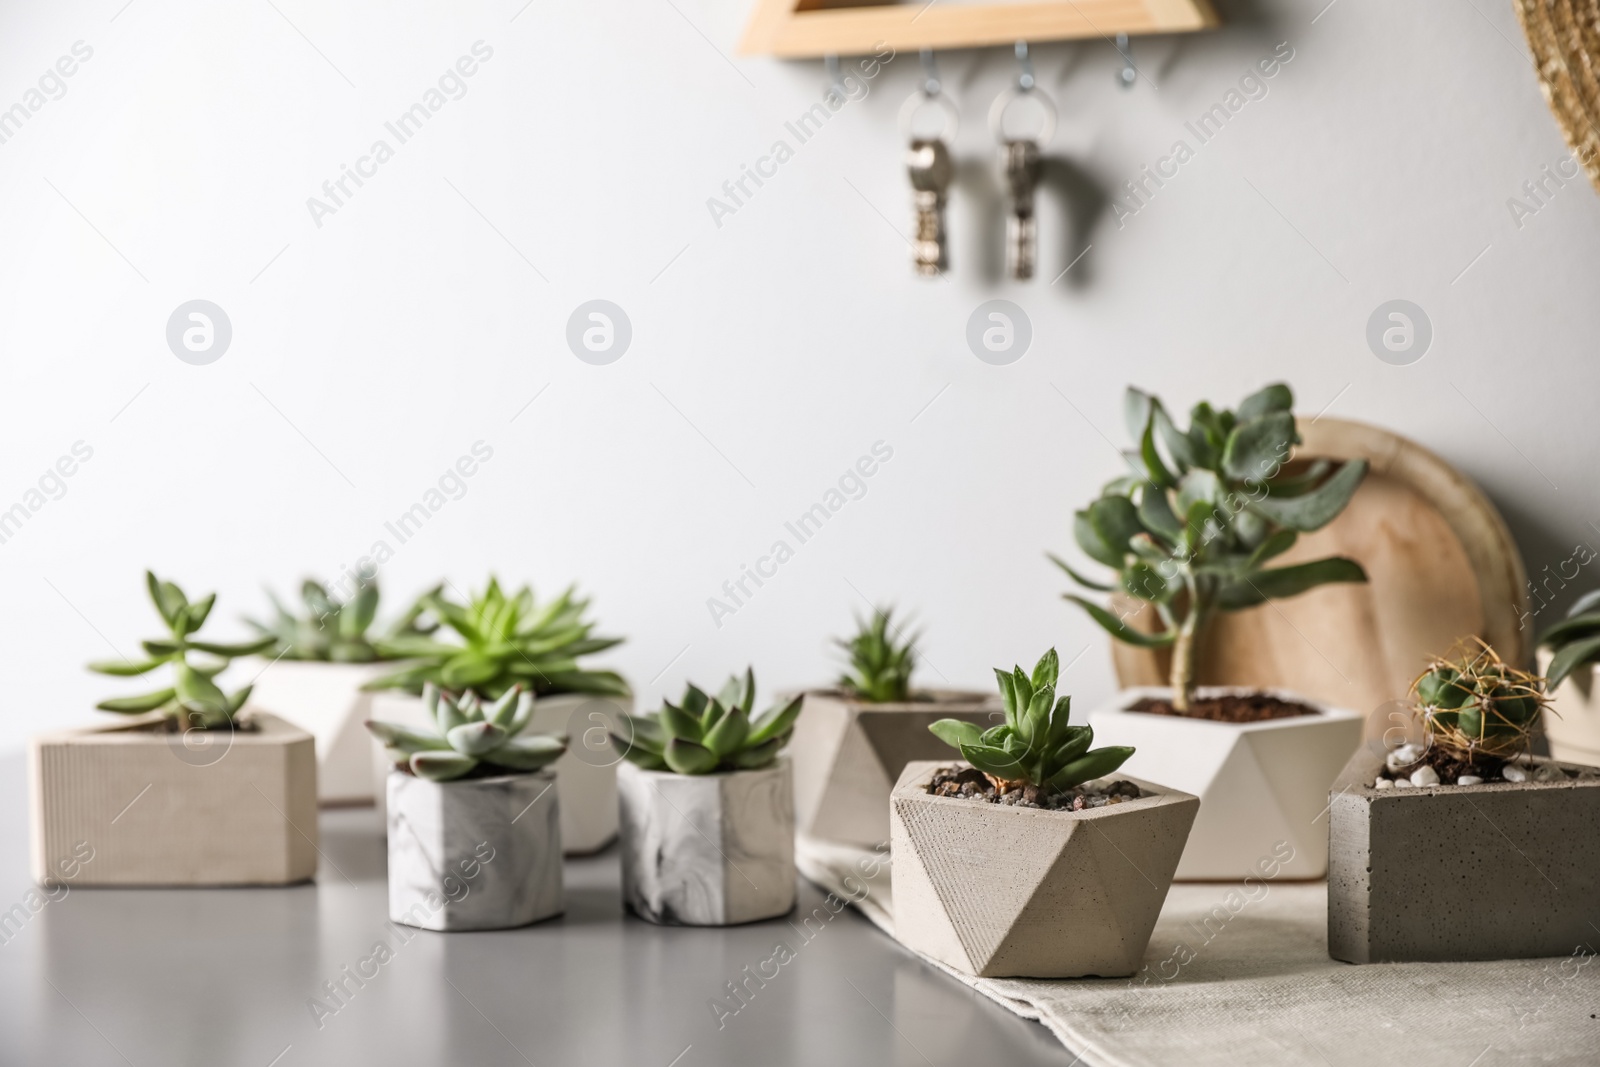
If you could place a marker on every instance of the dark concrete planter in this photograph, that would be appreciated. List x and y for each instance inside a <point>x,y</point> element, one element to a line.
<point>1503,870</point>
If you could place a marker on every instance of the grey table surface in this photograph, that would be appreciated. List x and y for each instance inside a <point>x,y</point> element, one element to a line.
<point>148,977</point>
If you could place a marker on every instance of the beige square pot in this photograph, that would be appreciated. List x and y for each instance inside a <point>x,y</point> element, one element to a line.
<point>212,808</point>
<point>1572,725</point>
<point>1006,892</point>
<point>848,754</point>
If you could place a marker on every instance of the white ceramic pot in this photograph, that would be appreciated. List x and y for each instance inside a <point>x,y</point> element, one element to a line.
<point>999,891</point>
<point>848,754</point>
<point>211,807</point>
<point>475,853</point>
<point>326,700</point>
<point>708,849</point>
<point>1263,786</point>
<point>586,774</point>
<point>1572,724</point>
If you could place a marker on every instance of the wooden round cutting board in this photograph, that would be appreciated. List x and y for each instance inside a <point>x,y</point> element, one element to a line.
<point>1441,566</point>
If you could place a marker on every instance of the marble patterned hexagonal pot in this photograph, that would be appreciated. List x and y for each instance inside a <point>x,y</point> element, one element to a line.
<point>474,853</point>
<point>707,849</point>
<point>586,775</point>
<point>848,754</point>
<point>1502,870</point>
<point>1572,723</point>
<point>212,807</point>
<point>998,891</point>
<point>326,699</point>
<point>1263,786</point>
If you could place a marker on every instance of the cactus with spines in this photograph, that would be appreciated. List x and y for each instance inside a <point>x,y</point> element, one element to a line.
<point>703,734</point>
<point>1036,745</point>
<point>1476,707</point>
<point>470,738</point>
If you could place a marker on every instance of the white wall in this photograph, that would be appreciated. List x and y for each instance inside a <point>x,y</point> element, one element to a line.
<point>768,353</point>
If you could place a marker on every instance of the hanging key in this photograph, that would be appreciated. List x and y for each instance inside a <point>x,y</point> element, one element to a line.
<point>1020,161</point>
<point>928,163</point>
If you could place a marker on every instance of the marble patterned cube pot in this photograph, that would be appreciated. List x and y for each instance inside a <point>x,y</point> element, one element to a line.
<point>474,853</point>
<point>707,849</point>
<point>1501,870</point>
<point>326,700</point>
<point>1572,723</point>
<point>848,753</point>
<point>1261,785</point>
<point>586,776</point>
<point>998,891</point>
<point>159,808</point>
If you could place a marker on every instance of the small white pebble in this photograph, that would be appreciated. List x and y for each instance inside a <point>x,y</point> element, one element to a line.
<point>1548,772</point>
<point>1383,783</point>
<point>1424,775</point>
<point>1469,779</point>
<point>1512,773</point>
<point>1401,756</point>
<point>1404,783</point>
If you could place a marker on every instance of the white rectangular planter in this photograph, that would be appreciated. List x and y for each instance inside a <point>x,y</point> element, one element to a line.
<point>848,754</point>
<point>708,849</point>
<point>1260,784</point>
<point>586,775</point>
<point>1000,891</point>
<point>475,853</point>
<point>326,700</point>
<point>1501,870</point>
<point>1572,725</point>
<point>212,807</point>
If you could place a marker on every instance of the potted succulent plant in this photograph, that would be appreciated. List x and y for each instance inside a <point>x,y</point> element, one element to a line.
<point>473,815</point>
<point>852,741</point>
<point>501,640</point>
<point>1027,861</point>
<point>1191,532</point>
<point>316,665</point>
<point>707,806</point>
<point>1568,653</point>
<point>193,789</point>
<point>1458,844</point>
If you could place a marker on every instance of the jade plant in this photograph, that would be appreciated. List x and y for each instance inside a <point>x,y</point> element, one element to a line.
<point>1575,640</point>
<point>1036,746</point>
<point>1190,530</point>
<point>1477,708</point>
<point>470,737</point>
<point>504,640</point>
<point>880,661</point>
<point>704,734</point>
<point>193,698</point>
<point>337,631</point>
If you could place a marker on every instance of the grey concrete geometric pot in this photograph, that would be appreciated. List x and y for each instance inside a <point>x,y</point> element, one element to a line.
<point>586,774</point>
<point>707,849</point>
<point>1502,870</point>
<point>203,807</point>
<point>475,853</point>
<point>1262,785</point>
<point>849,753</point>
<point>1007,892</point>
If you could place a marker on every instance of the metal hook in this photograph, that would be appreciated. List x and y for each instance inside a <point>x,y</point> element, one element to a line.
<point>1129,71</point>
<point>930,74</point>
<point>835,75</point>
<point>1025,78</point>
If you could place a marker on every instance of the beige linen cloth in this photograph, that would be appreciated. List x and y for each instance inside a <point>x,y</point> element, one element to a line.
<point>1231,980</point>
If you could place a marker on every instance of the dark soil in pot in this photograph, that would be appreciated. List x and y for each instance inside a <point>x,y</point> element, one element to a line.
<point>1232,707</point>
<point>973,784</point>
